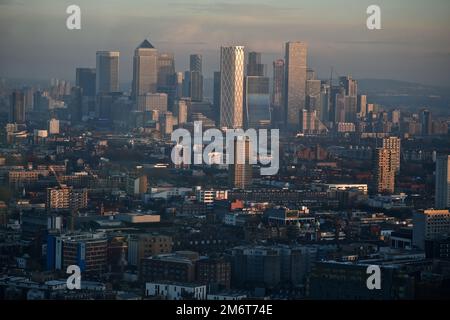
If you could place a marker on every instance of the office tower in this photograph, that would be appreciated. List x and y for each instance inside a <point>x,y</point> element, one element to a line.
<point>76,105</point>
<point>216,96</point>
<point>393,144</point>
<point>53,126</point>
<point>295,83</point>
<point>167,123</point>
<point>362,105</point>
<point>442,196</point>
<point>179,85</point>
<point>257,102</point>
<point>28,98</point>
<point>430,225</point>
<point>153,101</point>
<point>17,110</point>
<point>87,250</point>
<point>426,122</point>
<point>107,68</point>
<point>313,95</point>
<point>278,117</point>
<point>166,69</point>
<point>193,83</point>
<point>41,101</point>
<point>167,77</point>
<point>241,173</point>
<point>85,79</point>
<point>350,109</point>
<point>395,117</point>
<point>195,63</point>
<point>182,112</point>
<point>310,74</point>
<point>145,71</point>
<point>254,66</point>
<point>338,105</point>
<point>350,86</point>
<point>384,171</point>
<point>325,103</point>
<point>310,122</point>
<point>231,87</point>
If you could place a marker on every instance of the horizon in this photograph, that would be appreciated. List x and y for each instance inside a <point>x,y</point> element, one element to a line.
<point>412,46</point>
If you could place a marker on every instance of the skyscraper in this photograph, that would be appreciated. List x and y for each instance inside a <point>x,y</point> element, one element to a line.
<point>313,95</point>
<point>107,77</point>
<point>241,170</point>
<point>85,79</point>
<point>278,117</point>
<point>350,86</point>
<point>295,83</point>
<point>195,62</point>
<point>167,77</point>
<point>231,86</point>
<point>17,111</point>
<point>166,70</point>
<point>254,66</point>
<point>257,101</point>
<point>442,197</point>
<point>145,70</point>
<point>426,122</point>
<point>362,105</point>
<point>194,78</point>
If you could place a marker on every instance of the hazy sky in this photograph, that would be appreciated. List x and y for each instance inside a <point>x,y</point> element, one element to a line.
<point>413,45</point>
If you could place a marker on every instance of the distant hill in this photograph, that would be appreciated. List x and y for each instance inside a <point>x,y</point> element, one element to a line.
<point>394,93</point>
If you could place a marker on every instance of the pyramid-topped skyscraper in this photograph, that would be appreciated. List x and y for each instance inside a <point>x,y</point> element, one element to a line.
<point>145,70</point>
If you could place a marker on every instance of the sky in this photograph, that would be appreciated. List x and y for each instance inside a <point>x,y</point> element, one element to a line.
<point>413,44</point>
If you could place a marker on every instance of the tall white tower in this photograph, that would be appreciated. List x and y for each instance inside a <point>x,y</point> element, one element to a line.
<point>231,87</point>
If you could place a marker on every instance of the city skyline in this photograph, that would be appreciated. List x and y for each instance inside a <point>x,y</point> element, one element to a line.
<point>412,44</point>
